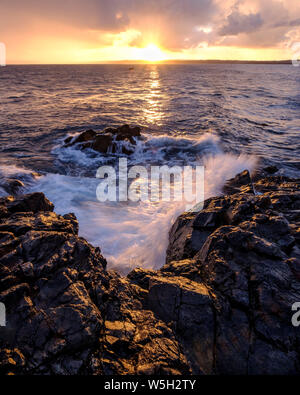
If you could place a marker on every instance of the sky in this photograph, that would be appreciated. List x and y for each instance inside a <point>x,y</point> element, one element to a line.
<point>90,31</point>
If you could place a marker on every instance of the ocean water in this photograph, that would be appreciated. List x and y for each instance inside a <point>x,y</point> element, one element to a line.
<point>226,117</point>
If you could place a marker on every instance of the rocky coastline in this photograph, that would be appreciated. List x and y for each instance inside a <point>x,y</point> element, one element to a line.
<point>222,303</point>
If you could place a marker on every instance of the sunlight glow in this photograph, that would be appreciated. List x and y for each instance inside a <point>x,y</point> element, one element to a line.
<point>152,53</point>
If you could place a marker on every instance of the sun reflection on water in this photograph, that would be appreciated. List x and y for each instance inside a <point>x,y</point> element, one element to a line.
<point>153,112</point>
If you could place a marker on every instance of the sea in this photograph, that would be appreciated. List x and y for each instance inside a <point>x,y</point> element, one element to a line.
<point>225,117</point>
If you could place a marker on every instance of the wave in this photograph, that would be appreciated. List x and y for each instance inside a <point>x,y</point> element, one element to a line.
<point>152,149</point>
<point>134,234</point>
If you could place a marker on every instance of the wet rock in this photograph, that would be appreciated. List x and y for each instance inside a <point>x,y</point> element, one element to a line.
<point>271,169</point>
<point>108,140</point>
<point>68,140</point>
<point>240,183</point>
<point>11,185</point>
<point>102,143</point>
<point>85,136</point>
<point>11,361</point>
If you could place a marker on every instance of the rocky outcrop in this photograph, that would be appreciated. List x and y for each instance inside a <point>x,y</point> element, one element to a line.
<point>220,305</point>
<point>120,140</point>
<point>65,313</point>
<point>244,249</point>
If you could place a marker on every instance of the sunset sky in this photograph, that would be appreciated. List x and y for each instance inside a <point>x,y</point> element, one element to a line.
<point>84,31</point>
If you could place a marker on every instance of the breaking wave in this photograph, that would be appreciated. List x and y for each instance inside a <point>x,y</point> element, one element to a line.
<point>132,234</point>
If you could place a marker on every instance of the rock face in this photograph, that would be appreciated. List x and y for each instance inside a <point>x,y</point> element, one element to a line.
<point>120,140</point>
<point>222,303</point>
<point>244,249</point>
<point>65,313</point>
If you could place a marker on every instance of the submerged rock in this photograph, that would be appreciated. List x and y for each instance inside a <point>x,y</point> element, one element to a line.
<point>108,140</point>
<point>16,184</point>
<point>12,185</point>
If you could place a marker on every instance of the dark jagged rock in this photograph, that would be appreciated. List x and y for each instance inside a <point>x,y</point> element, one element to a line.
<point>240,183</point>
<point>65,313</point>
<point>271,169</point>
<point>33,202</point>
<point>85,136</point>
<point>107,140</point>
<point>244,249</point>
<point>102,143</point>
<point>222,304</point>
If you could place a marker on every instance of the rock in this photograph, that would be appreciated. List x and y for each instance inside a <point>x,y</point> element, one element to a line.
<point>190,230</point>
<point>11,185</point>
<point>65,313</point>
<point>11,361</point>
<point>32,202</point>
<point>222,303</point>
<point>188,306</point>
<point>102,143</point>
<point>271,169</point>
<point>85,136</point>
<point>240,183</point>
<point>111,140</point>
<point>248,259</point>
<point>126,130</point>
<point>68,140</point>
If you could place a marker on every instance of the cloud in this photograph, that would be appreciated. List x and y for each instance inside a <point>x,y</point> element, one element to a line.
<point>259,23</point>
<point>170,22</point>
<point>176,25</point>
<point>240,23</point>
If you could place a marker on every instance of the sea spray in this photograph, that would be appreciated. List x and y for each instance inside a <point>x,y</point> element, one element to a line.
<point>129,233</point>
<point>157,183</point>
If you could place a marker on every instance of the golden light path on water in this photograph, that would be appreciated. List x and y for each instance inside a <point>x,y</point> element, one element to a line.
<point>153,113</point>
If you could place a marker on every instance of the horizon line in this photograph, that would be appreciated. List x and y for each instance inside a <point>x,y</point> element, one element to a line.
<point>169,61</point>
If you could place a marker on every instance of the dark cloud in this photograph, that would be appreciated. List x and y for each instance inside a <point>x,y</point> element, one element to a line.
<point>268,27</point>
<point>237,23</point>
<point>295,22</point>
<point>287,23</point>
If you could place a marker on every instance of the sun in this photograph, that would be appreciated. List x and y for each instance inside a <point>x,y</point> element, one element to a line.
<point>152,53</point>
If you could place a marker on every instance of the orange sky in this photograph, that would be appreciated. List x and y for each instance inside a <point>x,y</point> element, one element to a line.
<point>85,31</point>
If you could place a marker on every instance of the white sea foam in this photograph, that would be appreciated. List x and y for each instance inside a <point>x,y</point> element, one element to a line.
<point>157,149</point>
<point>136,234</point>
